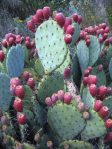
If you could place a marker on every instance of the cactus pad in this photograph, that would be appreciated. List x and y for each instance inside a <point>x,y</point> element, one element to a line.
<point>94,50</point>
<point>39,68</point>
<point>88,55</point>
<point>76,144</point>
<point>28,97</point>
<point>100,75</point>
<point>65,120</point>
<point>108,102</point>
<point>15,61</point>
<point>65,64</point>
<point>49,85</point>
<point>76,34</point>
<point>48,37</point>
<point>87,98</point>
<point>40,113</point>
<point>5,97</point>
<point>83,55</point>
<point>95,127</point>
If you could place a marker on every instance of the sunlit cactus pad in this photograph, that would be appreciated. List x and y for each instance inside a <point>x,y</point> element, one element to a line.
<point>50,43</point>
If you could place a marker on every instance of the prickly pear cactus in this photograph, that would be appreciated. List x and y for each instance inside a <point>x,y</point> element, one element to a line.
<point>39,68</point>
<point>108,102</point>
<point>83,55</point>
<point>76,33</point>
<point>5,96</point>
<point>65,120</point>
<point>49,85</point>
<point>100,75</point>
<point>49,51</point>
<point>65,64</point>
<point>95,127</point>
<point>72,144</point>
<point>87,98</point>
<point>94,50</point>
<point>15,61</point>
<point>88,55</point>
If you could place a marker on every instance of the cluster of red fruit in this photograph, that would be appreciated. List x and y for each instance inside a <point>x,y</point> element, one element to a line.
<point>60,95</point>
<point>101,31</point>
<point>18,90</point>
<point>38,18</point>
<point>103,111</point>
<point>28,43</point>
<point>66,24</point>
<point>12,39</point>
<point>91,81</point>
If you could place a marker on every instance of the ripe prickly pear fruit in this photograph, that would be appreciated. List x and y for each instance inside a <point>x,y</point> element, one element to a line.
<point>18,105</point>
<point>46,12</point>
<point>4,43</point>
<point>60,19</point>
<point>25,75</point>
<point>85,81</point>
<point>21,118</point>
<point>68,21</point>
<point>86,72</point>
<point>102,90</point>
<point>98,105</point>
<point>48,101</point>
<point>39,15</point>
<point>108,123</point>
<point>54,98</point>
<point>68,38</point>
<point>103,112</point>
<point>19,91</point>
<point>93,90</point>
<point>79,19</point>
<point>67,98</point>
<point>67,72</point>
<point>31,83</point>
<point>70,29</point>
<point>15,81</point>
<point>92,79</point>
<point>75,17</point>
<point>61,95</point>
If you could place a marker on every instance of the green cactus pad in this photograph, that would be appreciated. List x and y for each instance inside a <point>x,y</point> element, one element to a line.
<point>75,144</point>
<point>28,97</point>
<point>95,127</point>
<point>83,55</point>
<point>26,53</point>
<point>100,75</point>
<point>88,55</point>
<point>52,49</point>
<point>87,98</point>
<point>49,85</point>
<point>5,96</point>
<point>76,34</point>
<point>15,61</point>
<point>108,102</point>
<point>40,113</point>
<point>65,120</point>
<point>94,50</point>
<point>39,69</point>
<point>65,64</point>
